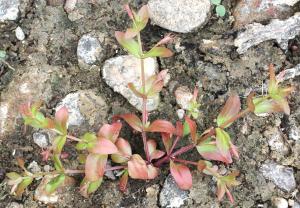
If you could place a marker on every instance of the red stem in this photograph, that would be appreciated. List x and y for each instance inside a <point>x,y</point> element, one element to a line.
<point>174,144</point>
<point>73,138</point>
<point>186,162</point>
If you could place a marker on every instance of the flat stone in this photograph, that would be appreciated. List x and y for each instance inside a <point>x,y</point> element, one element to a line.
<point>279,30</point>
<point>171,195</point>
<point>9,9</point>
<point>248,11</point>
<point>119,71</point>
<point>33,84</point>
<point>89,49</point>
<point>85,106</point>
<point>280,175</point>
<point>179,15</point>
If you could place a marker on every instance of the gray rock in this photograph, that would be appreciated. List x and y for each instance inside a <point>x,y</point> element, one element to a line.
<point>171,195</point>
<point>14,205</point>
<point>9,9</point>
<point>280,175</point>
<point>179,15</point>
<point>85,106</point>
<point>41,139</point>
<point>89,49</point>
<point>34,167</point>
<point>19,33</point>
<point>275,140</point>
<point>294,133</point>
<point>183,97</point>
<point>279,30</point>
<point>119,71</point>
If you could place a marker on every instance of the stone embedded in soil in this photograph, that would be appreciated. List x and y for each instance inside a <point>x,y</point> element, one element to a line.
<point>279,202</point>
<point>85,107</point>
<point>9,9</point>
<point>33,84</point>
<point>19,33</point>
<point>41,139</point>
<point>183,97</point>
<point>179,15</point>
<point>119,71</point>
<point>89,49</point>
<point>34,167</point>
<point>171,195</point>
<point>280,175</point>
<point>279,30</point>
<point>14,205</point>
<point>276,141</point>
<point>152,196</point>
<point>248,11</point>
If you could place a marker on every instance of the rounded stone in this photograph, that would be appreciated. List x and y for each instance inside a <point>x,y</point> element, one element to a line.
<point>89,49</point>
<point>179,15</point>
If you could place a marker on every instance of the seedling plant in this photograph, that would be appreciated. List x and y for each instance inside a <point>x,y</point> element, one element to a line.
<point>219,8</point>
<point>95,149</point>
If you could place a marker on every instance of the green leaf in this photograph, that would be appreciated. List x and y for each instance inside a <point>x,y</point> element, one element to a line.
<point>158,52</point>
<point>23,185</point>
<point>2,55</point>
<point>216,2</point>
<point>220,10</point>
<point>93,186</point>
<point>223,141</point>
<point>130,45</point>
<point>57,163</point>
<point>13,175</point>
<point>55,183</point>
<point>87,141</point>
<point>186,129</point>
<point>58,144</point>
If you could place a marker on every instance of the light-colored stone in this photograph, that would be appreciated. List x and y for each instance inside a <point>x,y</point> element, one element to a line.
<point>180,113</point>
<point>41,139</point>
<point>279,30</point>
<point>179,15</point>
<point>248,11</point>
<point>119,71</point>
<point>183,97</point>
<point>9,9</point>
<point>41,195</point>
<point>34,84</point>
<point>14,205</point>
<point>34,167</point>
<point>171,195</point>
<point>89,49</point>
<point>19,33</point>
<point>294,133</point>
<point>279,202</point>
<point>85,106</point>
<point>275,140</point>
<point>280,175</point>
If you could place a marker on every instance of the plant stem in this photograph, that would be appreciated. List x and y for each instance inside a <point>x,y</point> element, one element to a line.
<point>115,168</point>
<point>144,112</point>
<point>185,161</point>
<point>174,144</point>
<point>242,113</point>
<point>74,171</point>
<point>73,138</point>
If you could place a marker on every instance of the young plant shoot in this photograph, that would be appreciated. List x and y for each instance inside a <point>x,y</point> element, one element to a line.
<point>213,144</point>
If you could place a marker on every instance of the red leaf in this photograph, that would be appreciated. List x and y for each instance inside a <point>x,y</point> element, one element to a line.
<point>95,166</point>
<point>132,120</point>
<point>138,169</point>
<point>62,115</point>
<point>110,132</point>
<point>167,140</point>
<point>143,14</point>
<point>179,129</point>
<point>193,128</point>
<point>104,147</point>
<point>161,126</point>
<point>159,52</point>
<point>209,151</point>
<point>182,175</point>
<point>123,181</point>
<point>231,109</point>
<point>124,147</point>
<point>154,153</point>
<point>129,11</point>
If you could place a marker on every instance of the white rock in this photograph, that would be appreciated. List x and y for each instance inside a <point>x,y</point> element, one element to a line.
<point>183,97</point>
<point>41,139</point>
<point>20,34</point>
<point>9,9</point>
<point>14,205</point>
<point>179,15</point>
<point>286,2</point>
<point>275,140</point>
<point>279,202</point>
<point>294,133</point>
<point>279,30</point>
<point>34,167</point>
<point>180,113</point>
<point>171,195</point>
<point>119,71</point>
<point>84,106</point>
<point>280,175</point>
<point>89,49</point>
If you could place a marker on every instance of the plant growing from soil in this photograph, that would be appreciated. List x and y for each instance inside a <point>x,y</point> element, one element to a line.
<point>95,149</point>
<point>220,9</point>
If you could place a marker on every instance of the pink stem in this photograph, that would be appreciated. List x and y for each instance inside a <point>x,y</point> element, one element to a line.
<point>73,138</point>
<point>174,144</point>
<point>185,161</point>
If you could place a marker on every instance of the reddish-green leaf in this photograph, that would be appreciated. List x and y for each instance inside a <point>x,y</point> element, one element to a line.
<point>222,141</point>
<point>161,126</point>
<point>61,116</point>
<point>124,151</point>
<point>130,45</point>
<point>182,175</point>
<point>154,153</point>
<point>132,120</point>
<point>209,151</point>
<point>179,129</point>
<point>193,128</point>
<point>110,132</point>
<point>123,181</point>
<point>23,185</point>
<point>231,109</point>
<point>167,140</point>
<point>138,169</point>
<point>104,147</point>
<point>95,166</point>
<point>158,52</point>
<point>55,183</point>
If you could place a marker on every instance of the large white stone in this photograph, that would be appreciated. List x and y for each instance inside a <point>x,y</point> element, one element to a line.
<point>9,9</point>
<point>179,15</point>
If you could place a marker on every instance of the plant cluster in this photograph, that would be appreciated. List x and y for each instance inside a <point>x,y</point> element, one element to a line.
<point>220,9</point>
<point>213,144</point>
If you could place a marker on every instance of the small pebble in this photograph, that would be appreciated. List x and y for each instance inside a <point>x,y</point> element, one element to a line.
<point>19,33</point>
<point>180,113</point>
